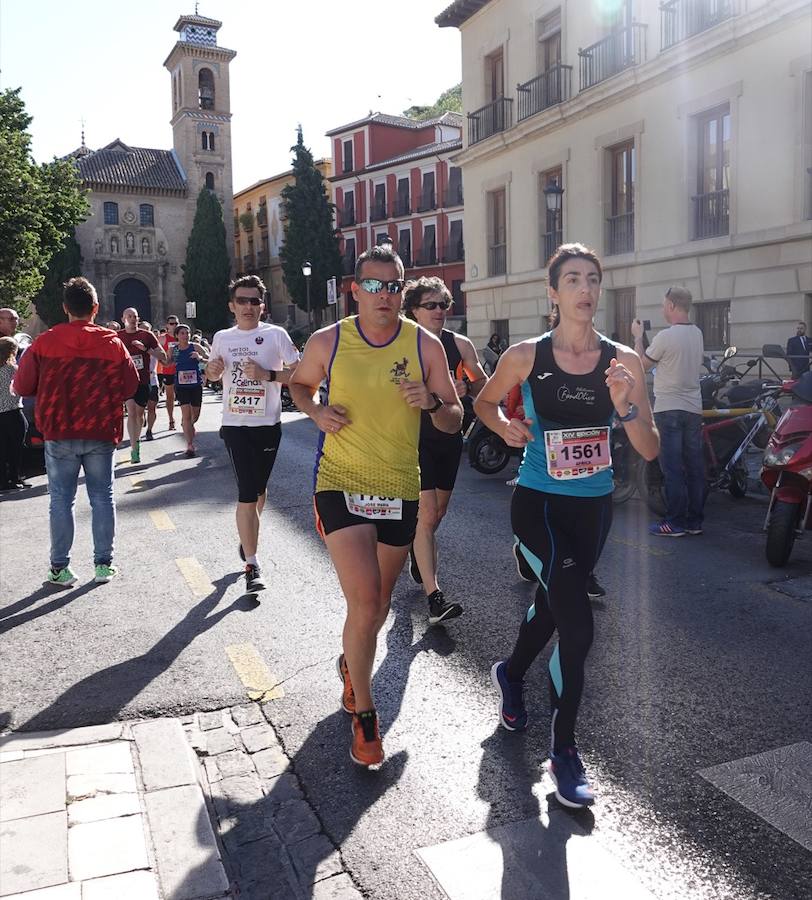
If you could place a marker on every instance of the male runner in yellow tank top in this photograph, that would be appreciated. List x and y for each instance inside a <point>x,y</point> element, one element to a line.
<point>382,370</point>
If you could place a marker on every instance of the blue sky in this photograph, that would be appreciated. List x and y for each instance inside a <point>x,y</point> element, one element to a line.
<point>104,62</point>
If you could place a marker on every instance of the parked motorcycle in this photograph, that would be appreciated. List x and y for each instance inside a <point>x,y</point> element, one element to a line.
<point>287,401</point>
<point>487,452</point>
<point>625,463</point>
<point>787,472</point>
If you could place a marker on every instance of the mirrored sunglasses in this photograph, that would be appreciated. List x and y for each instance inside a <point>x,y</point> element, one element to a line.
<point>435,304</point>
<point>375,285</point>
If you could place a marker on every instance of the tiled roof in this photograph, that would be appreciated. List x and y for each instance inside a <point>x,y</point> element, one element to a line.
<point>447,118</point>
<point>458,12</point>
<point>418,152</point>
<point>120,166</point>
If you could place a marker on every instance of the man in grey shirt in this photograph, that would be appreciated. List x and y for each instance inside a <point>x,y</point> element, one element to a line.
<point>677,353</point>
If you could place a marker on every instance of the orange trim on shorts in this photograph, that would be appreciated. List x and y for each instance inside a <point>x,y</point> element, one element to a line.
<point>319,524</point>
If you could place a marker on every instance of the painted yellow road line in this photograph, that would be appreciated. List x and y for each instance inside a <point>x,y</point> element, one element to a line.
<point>161,520</point>
<point>642,548</point>
<point>195,576</point>
<point>252,671</point>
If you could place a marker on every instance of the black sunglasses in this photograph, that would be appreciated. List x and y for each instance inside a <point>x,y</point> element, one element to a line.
<point>435,304</point>
<point>375,285</point>
<point>242,301</point>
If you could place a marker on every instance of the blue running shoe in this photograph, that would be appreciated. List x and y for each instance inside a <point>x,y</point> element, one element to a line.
<point>571,784</point>
<point>512,713</point>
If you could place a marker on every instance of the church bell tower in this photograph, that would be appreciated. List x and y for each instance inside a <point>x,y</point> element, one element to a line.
<point>201,113</point>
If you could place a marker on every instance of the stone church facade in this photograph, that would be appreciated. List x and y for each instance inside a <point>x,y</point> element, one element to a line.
<point>143,200</point>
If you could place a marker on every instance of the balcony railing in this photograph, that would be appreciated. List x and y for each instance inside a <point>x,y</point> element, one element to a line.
<point>550,242</point>
<point>620,50</point>
<point>427,202</point>
<point>453,196</point>
<point>378,212</point>
<point>490,119</point>
<point>497,259</point>
<point>403,207</point>
<point>548,89</point>
<point>711,214</point>
<point>681,19</point>
<point>262,258</point>
<point>620,234</point>
<point>454,254</point>
<point>406,258</point>
<point>262,216</point>
<point>346,218</point>
<point>427,258</point>
<point>347,265</point>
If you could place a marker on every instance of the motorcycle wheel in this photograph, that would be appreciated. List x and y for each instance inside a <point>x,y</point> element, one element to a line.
<point>624,467</point>
<point>738,482</point>
<point>651,485</point>
<point>781,532</point>
<point>488,454</point>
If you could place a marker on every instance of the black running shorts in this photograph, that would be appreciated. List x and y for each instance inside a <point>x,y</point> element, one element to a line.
<point>166,379</point>
<point>153,393</point>
<point>332,515</point>
<point>189,393</point>
<point>252,451</point>
<point>141,396</point>
<point>439,462</point>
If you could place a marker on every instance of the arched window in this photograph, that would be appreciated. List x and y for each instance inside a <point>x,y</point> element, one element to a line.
<point>205,89</point>
<point>145,249</point>
<point>110,213</point>
<point>204,140</point>
<point>210,180</point>
<point>211,140</point>
<point>147,215</point>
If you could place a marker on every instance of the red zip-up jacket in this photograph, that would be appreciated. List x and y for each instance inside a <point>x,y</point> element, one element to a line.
<point>81,374</point>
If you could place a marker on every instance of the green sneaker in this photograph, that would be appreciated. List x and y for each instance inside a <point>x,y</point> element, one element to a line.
<point>135,453</point>
<point>63,578</point>
<point>105,573</point>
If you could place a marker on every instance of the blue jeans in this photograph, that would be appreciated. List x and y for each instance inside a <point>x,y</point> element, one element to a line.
<point>683,466</point>
<point>63,460</point>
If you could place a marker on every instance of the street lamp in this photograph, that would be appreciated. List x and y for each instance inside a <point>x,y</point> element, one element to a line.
<point>306,271</point>
<point>552,197</point>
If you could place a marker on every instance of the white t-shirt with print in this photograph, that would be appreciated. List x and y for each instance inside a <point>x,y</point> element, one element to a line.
<point>247,402</point>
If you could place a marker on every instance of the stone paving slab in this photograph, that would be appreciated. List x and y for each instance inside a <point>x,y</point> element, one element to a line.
<point>37,740</point>
<point>71,891</point>
<point>33,853</point>
<point>31,787</point>
<point>107,848</point>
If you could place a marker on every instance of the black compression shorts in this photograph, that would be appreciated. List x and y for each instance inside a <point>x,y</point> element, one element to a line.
<point>439,462</point>
<point>189,393</point>
<point>332,515</point>
<point>166,379</point>
<point>153,393</point>
<point>253,453</point>
<point>141,396</point>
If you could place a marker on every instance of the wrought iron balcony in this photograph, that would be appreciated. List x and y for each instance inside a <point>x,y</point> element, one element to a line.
<point>427,202</point>
<point>711,214</point>
<point>453,196</point>
<point>497,259</point>
<point>618,51</point>
<point>262,215</point>
<point>406,258</point>
<point>378,212</point>
<point>620,234</point>
<point>346,218</point>
<point>550,242</point>
<point>427,257</point>
<point>347,265</point>
<point>403,207</point>
<point>490,119</point>
<point>548,89</point>
<point>681,19</point>
<point>454,253</point>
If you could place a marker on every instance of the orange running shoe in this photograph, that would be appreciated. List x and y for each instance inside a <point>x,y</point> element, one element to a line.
<point>347,695</point>
<point>367,749</point>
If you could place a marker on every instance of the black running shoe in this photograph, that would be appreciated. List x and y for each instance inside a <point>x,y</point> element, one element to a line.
<point>440,609</point>
<point>522,565</point>
<point>253,579</point>
<point>414,569</point>
<point>594,588</point>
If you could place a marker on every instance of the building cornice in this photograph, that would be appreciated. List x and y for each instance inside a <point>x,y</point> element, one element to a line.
<point>199,51</point>
<point>201,115</point>
<point>106,188</point>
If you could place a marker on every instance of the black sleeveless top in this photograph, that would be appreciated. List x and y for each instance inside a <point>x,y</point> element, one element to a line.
<point>427,430</point>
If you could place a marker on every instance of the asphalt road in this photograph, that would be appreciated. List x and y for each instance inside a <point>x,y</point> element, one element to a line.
<point>699,660</point>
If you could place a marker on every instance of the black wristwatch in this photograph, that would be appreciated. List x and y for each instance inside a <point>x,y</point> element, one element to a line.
<point>271,375</point>
<point>437,403</point>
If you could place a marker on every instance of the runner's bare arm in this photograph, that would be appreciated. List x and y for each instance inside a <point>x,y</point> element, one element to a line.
<point>627,384</point>
<point>438,381</point>
<point>159,353</point>
<point>513,368</point>
<point>310,372</point>
<point>470,362</point>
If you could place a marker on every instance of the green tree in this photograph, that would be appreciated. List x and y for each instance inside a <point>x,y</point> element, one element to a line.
<point>40,205</point>
<point>310,233</point>
<point>448,101</point>
<point>64,264</point>
<point>207,269</point>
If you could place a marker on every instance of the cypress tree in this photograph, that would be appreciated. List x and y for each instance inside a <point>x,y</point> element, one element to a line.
<point>65,263</point>
<point>207,269</point>
<point>310,233</point>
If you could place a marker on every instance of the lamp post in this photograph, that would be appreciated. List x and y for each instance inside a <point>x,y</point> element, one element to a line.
<point>306,271</point>
<point>553,193</point>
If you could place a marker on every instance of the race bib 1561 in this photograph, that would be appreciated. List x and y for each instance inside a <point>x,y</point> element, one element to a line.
<point>577,452</point>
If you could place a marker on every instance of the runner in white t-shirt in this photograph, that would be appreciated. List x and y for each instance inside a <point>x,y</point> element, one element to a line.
<point>253,360</point>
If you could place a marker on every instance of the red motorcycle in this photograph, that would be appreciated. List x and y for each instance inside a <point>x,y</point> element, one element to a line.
<point>787,472</point>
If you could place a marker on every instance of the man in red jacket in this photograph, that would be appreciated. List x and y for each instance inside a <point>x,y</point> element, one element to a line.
<point>81,374</point>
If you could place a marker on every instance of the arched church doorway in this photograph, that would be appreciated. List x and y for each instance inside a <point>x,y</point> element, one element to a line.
<point>132,292</point>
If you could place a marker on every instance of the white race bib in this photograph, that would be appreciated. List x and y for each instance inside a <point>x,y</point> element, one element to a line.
<point>386,509</point>
<point>138,361</point>
<point>577,452</point>
<point>187,376</point>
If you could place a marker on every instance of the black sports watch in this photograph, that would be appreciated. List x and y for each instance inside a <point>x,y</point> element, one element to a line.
<point>437,403</point>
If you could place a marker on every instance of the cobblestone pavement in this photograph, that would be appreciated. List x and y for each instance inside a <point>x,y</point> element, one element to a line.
<point>273,842</point>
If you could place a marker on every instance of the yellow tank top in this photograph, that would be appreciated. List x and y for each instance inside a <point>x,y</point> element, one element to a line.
<point>377,453</point>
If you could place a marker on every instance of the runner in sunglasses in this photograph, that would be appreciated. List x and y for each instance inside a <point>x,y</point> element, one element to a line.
<point>382,371</point>
<point>253,359</point>
<point>428,302</point>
